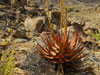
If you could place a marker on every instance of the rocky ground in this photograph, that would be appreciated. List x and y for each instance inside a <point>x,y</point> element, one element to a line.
<point>20,29</point>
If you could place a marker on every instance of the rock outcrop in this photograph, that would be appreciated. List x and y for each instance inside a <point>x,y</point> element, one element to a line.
<point>34,24</point>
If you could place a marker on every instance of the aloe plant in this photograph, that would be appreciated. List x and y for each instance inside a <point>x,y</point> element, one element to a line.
<point>59,49</point>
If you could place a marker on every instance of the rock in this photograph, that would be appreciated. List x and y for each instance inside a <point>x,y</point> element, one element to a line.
<point>55,17</point>
<point>77,10</point>
<point>91,61</point>
<point>2,33</point>
<point>36,65</point>
<point>34,24</point>
<point>4,16</point>
<point>69,23</point>
<point>98,9</point>
<point>18,3</point>
<point>21,56</point>
<point>35,11</point>
<point>4,1</point>
<point>19,40</point>
<point>31,12</point>
<point>93,25</point>
<point>13,2</point>
<point>20,33</point>
<point>33,4</point>
<point>19,71</point>
<point>78,27</point>
<point>20,17</point>
<point>90,31</point>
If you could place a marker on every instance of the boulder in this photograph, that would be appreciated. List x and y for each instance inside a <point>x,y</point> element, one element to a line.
<point>55,17</point>
<point>35,24</point>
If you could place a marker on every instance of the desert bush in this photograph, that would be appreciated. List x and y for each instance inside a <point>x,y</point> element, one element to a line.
<point>70,9</point>
<point>96,35</point>
<point>7,63</point>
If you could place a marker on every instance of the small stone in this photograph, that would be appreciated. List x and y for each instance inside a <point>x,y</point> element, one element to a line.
<point>19,71</point>
<point>20,33</point>
<point>77,10</point>
<point>20,40</point>
<point>33,4</point>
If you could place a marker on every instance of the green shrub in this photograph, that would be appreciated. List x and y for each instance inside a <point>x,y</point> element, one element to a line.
<point>7,63</point>
<point>96,35</point>
<point>70,9</point>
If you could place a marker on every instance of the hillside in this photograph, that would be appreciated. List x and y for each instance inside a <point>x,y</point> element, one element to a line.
<point>23,26</point>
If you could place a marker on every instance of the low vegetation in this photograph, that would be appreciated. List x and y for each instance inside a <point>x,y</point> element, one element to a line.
<point>96,35</point>
<point>70,9</point>
<point>7,63</point>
